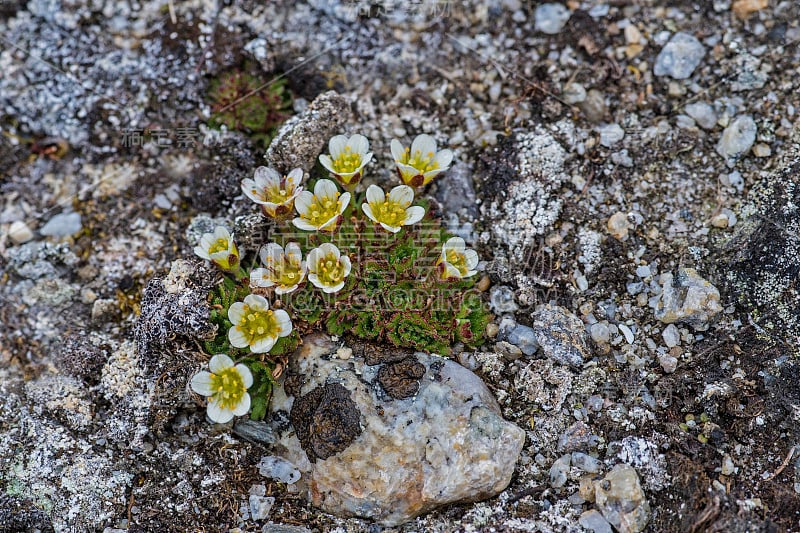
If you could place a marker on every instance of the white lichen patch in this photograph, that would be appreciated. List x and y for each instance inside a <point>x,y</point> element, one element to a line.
<point>62,396</point>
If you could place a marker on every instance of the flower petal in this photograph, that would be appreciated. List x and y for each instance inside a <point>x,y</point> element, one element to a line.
<point>375,195</point>
<point>217,414</point>
<point>471,257</point>
<point>424,144</point>
<point>368,211</point>
<point>327,248</point>
<point>237,338</point>
<point>219,363</point>
<point>450,271</point>
<point>327,162</point>
<point>295,177</point>
<point>358,144</point>
<point>220,232</point>
<point>243,406</point>
<point>336,145</point>
<point>201,383</point>
<point>201,252</point>
<point>265,176</point>
<point>303,202</point>
<point>293,252</point>
<point>345,201</point>
<point>303,224</point>
<point>314,279</point>
<point>387,227</point>
<point>347,265</point>
<point>284,321</point>
<point>263,345</point>
<point>403,195</point>
<point>443,159</point>
<point>271,254</point>
<point>331,289</point>
<point>260,277</point>
<point>257,302</point>
<point>398,152</point>
<point>247,376</point>
<point>455,243</point>
<point>414,214</point>
<point>325,189</point>
<point>236,312</point>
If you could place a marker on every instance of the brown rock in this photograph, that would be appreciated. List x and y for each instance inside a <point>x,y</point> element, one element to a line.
<point>326,421</point>
<point>401,379</point>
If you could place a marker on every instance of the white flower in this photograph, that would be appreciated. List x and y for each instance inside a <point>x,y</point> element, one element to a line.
<point>255,325</point>
<point>347,158</point>
<point>219,248</point>
<point>273,192</point>
<point>328,268</point>
<point>226,386</point>
<point>393,212</point>
<point>321,211</point>
<point>284,269</point>
<point>457,261</point>
<point>418,165</point>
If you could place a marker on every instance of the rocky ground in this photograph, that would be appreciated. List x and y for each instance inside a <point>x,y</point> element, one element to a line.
<point>629,171</point>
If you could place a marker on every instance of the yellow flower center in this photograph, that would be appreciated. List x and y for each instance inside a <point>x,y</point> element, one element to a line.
<point>323,209</point>
<point>257,324</point>
<point>228,387</point>
<point>286,273</point>
<point>220,245</point>
<point>422,162</point>
<point>389,212</point>
<point>458,260</point>
<point>279,192</point>
<point>330,270</point>
<point>347,161</point>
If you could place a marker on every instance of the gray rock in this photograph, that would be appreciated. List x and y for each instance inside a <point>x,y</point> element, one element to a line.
<point>679,57</point>
<point>303,137</point>
<point>254,431</point>
<point>737,139</point>
<point>446,443</point>
<point>703,114</point>
<point>687,298</point>
<point>749,75</point>
<point>559,471</point>
<point>283,528</point>
<point>600,332</point>
<point>621,500</point>
<point>594,106</point>
<point>610,134</point>
<point>561,335</point>
<point>574,93</point>
<point>501,299</point>
<point>455,190</point>
<point>551,18</point>
<point>279,469</point>
<point>19,232</point>
<point>577,437</point>
<point>671,336</point>
<point>62,225</point>
<point>524,338</point>
<point>594,521</point>
<point>586,462</point>
<point>260,506</point>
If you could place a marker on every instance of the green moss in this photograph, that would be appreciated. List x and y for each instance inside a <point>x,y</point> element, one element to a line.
<point>243,102</point>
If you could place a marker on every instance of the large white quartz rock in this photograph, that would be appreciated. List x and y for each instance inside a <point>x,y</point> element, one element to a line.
<point>391,440</point>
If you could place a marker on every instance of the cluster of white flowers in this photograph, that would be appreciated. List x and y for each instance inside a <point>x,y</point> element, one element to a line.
<point>257,327</point>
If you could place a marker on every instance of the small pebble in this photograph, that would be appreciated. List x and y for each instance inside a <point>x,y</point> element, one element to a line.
<point>738,138</point>
<point>679,57</point>
<point>703,114</point>
<point>600,333</point>
<point>574,93</point>
<point>594,106</point>
<point>585,462</point>
<point>610,134</point>
<point>762,150</point>
<point>618,226</point>
<point>594,521</point>
<point>728,467</point>
<point>551,18</point>
<point>501,299</point>
<point>62,225</point>
<point>720,221</point>
<point>671,336</point>
<point>668,363</point>
<point>559,470</point>
<point>19,232</point>
<point>492,330</point>
<point>643,271</point>
<point>260,506</point>
<point>629,338</point>
<point>275,467</point>
<point>524,338</point>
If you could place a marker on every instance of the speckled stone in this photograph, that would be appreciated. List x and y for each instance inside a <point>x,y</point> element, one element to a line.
<point>446,443</point>
<point>561,335</point>
<point>619,496</point>
<point>687,298</point>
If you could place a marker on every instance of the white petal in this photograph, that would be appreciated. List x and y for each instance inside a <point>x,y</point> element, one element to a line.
<point>201,383</point>
<point>387,227</point>
<point>358,144</point>
<point>402,194</point>
<point>237,337</point>
<point>243,406</point>
<point>328,248</point>
<point>303,224</point>
<point>325,189</point>
<point>347,265</point>
<point>470,273</point>
<point>424,144</point>
<point>414,214</point>
<point>331,289</point>
<point>265,176</point>
<point>219,363</point>
<point>259,277</point>
<point>271,253</point>
<point>455,243</point>
<point>263,345</point>
<point>450,271</point>
<point>257,302</point>
<point>293,252</point>
<point>236,312</point>
<point>220,232</point>
<point>207,240</point>
<point>375,195</point>
<point>443,159</point>
<point>336,145</point>
<point>295,176</point>
<point>303,202</point>
<point>429,175</point>
<point>407,171</point>
<point>327,162</point>
<point>398,152</point>
<point>365,160</point>
<point>201,252</point>
<point>368,211</point>
<point>247,376</point>
<point>330,222</point>
<point>313,259</point>
<point>471,259</point>
<point>285,290</point>
<point>314,279</point>
<point>284,321</point>
<point>345,199</point>
<point>217,414</point>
